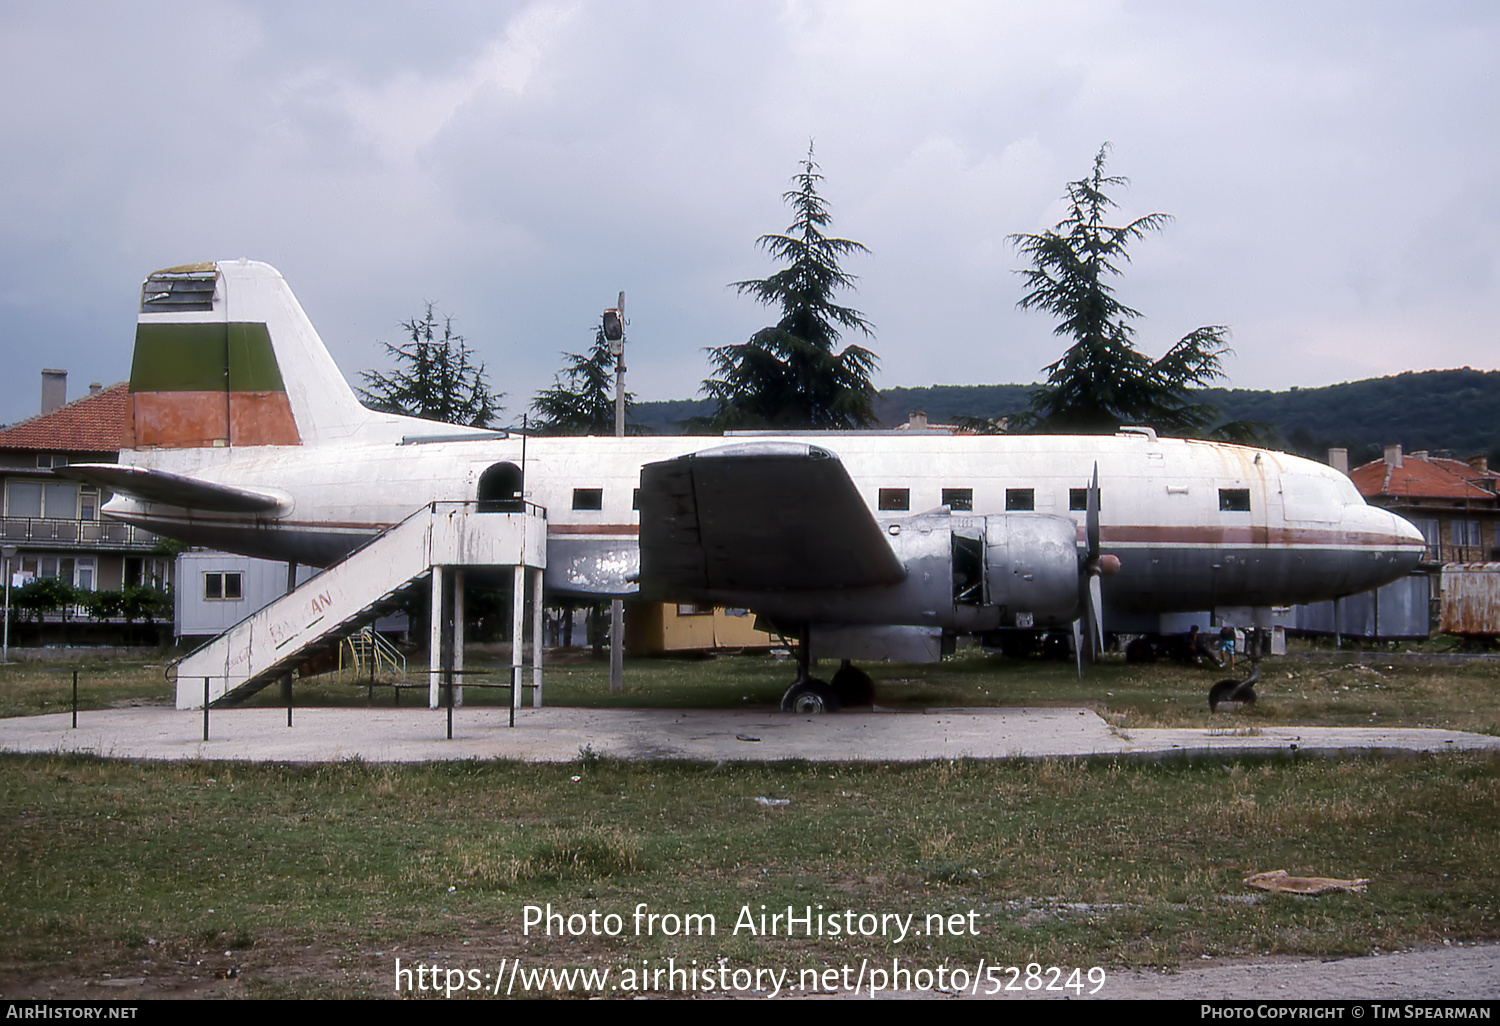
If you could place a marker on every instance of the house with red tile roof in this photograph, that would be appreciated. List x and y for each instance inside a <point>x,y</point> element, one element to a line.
<point>1454,503</point>
<point>52,522</point>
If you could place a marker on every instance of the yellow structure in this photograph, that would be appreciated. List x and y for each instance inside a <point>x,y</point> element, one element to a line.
<point>655,627</point>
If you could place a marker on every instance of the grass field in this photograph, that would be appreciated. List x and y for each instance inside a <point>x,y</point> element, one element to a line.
<point>123,879</point>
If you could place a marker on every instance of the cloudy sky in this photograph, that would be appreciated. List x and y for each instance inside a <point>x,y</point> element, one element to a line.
<point>1332,168</point>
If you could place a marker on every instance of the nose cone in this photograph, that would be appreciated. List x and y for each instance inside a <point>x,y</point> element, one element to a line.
<point>1392,546</point>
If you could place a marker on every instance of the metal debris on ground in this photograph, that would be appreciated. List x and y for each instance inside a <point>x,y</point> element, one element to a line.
<point>1279,881</point>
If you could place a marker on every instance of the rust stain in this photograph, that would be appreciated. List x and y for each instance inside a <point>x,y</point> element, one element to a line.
<point>1471,599</point>
<point>261,418</point>
<point>178,420</point>
<point>184,420</point>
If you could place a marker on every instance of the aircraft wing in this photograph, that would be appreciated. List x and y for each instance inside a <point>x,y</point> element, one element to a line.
<point>173,489</point>
<point>759,516</point>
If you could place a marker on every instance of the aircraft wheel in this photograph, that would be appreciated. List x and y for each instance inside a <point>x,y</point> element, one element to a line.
<point>1140,651</point>
<point>1230,691</point>
<point>1055,646</point>
<point>853,686</point>
<point>809,697</point>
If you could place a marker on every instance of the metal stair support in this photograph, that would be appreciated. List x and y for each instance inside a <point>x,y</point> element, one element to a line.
<point>440,535</point>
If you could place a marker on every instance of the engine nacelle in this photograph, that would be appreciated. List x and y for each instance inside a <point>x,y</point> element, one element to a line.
<point>1015,570</point>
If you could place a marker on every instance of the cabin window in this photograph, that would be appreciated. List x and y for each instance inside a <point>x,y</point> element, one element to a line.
<point>694,609</point>
<point>223,586</point>
<point>1078,500</point>
<point>960,500</point>
<point>1020,500</point>
<point>895,499</point>
<point>588,498</point>
<point>1234,500</point>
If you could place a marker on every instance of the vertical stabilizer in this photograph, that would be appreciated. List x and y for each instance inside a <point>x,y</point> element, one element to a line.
<point>225,357</point>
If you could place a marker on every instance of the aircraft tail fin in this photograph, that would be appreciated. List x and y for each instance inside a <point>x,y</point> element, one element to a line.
<point>225,356</point>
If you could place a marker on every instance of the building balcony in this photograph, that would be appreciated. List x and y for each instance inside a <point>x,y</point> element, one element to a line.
<point>91,535</point>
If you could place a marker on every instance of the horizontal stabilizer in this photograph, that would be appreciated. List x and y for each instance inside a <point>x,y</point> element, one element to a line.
<point>173,489</point>
<point>760,516</point>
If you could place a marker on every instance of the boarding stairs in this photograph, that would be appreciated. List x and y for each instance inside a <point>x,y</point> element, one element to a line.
<point>271,642</point>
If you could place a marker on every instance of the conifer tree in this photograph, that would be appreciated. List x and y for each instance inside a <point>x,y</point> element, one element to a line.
<point>792,375</point>
<point>582,399</point>
<point>436,378</point>
<point>1103,381</point>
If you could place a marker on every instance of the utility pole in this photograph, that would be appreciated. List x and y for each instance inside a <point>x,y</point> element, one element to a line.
<point>614,334</point>
<point>10,554</point>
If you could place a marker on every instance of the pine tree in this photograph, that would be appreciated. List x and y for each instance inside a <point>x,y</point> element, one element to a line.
<point>789,375</point>
<point>436,378</point>
<point>582,401</point>
<point>1103,381</point>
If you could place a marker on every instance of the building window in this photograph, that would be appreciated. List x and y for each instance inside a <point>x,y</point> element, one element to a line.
<point>1466,533</point>
<point>1020,500</point>
<point>959,500</point>
<point>588,498</point>
<point>895,499</point>
<point>50,501</point>
<point>47,461</point>
<point>1431,533</point>
<point>223,585</point>
<point>1234,500</point>
<point>23,498</point>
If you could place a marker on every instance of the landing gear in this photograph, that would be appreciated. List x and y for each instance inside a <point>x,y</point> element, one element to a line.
<point>1241,691</point>
<point>1141,650</point>
<point>809,697</point>
<point>853,686</point>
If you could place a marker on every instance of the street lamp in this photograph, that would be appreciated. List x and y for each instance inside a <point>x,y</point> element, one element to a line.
<point>9,551</point>
<point>614,334</point>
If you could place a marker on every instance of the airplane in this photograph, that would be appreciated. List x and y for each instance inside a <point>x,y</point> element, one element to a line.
<point>243,435</point>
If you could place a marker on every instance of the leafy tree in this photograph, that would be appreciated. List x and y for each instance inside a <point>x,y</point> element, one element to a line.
<point>789,375</point>
<point>437,378</point>
<point>582,402</point>
<point>1103,381</point>
<point>42,595</point>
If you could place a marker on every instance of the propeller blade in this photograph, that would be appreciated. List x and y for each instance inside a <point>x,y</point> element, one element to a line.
<point>1096,613</point>
<point>1078,645</point>
<point>1092,522</point>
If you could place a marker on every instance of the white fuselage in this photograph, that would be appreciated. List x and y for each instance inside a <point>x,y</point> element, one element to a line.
<point>1194,523</point>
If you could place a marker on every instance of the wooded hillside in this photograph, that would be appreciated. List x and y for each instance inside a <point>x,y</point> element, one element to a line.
<point>1453,410</point>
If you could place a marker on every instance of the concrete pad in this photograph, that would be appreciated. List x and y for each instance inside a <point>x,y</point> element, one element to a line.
<point>557,735</point>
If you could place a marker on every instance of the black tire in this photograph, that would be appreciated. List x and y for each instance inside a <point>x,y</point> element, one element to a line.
<point>1056,648</point>
<point>1231,691</point>
<point>1141,650</point>
<point>809,697</point>
<point>853,686</point>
